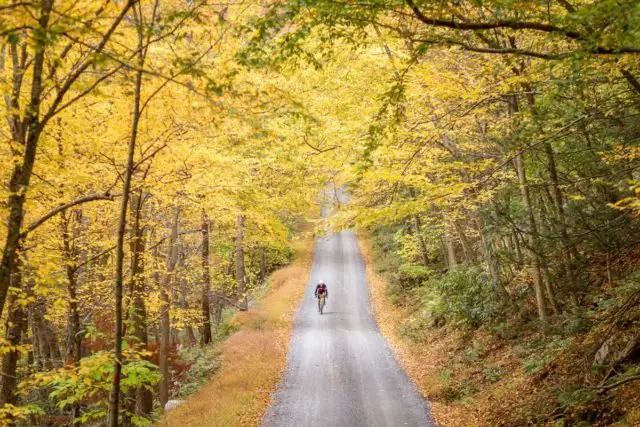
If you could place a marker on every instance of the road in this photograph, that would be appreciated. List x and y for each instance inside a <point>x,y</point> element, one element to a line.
<point>341,372</point>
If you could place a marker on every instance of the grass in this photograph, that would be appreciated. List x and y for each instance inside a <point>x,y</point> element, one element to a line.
<point>253,359</point>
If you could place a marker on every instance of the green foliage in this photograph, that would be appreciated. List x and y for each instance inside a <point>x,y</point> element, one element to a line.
<point>493,373</point>
<point>91,381</point>
<point>9,413</point>
<point>463,295</point>
<point>226,328</point>
<point>576,397</point>
<point>410,276</point>
<point>203,364</point>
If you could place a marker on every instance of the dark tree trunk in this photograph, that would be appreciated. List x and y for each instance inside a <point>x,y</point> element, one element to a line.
<point>14,327</point>
<point>165,292</point>
<point>240,275</point>
<point>28,134</point>
<point>142,398</point>
<point>114,396</point>
<point>263,265</point>
<point>205,336</point>
<point>74,336</point>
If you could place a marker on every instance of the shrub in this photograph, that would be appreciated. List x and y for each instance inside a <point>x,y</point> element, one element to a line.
<point>203,363</point>
<point>463,295</point>
<point>411,276</point>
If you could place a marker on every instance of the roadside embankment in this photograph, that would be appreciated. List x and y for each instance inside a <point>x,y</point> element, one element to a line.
<point>421,361</point>
<point>254,358</point>
<point>503,373</point>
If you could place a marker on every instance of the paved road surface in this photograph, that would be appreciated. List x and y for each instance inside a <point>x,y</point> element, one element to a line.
<point>341,371</point>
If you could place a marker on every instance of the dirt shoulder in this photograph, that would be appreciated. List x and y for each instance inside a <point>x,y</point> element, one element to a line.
<point>254,358</point>
<point>423,362</point>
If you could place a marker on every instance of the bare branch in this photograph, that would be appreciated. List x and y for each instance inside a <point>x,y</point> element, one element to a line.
<point>64,207</point>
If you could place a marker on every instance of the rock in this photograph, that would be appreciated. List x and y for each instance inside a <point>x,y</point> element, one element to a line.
<point>172,404</point>
<point>603,352</point>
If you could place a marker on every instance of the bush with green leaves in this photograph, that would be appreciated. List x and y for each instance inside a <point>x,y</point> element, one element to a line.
<point>410,276</point>
<point>88,384</point>
<point>203,363</point>
<point>463,295</point>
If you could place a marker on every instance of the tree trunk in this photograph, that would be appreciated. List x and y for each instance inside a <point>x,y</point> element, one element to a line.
<point>467,250</point>
<point>263,265</point>
<point>74,337</point>
<point>518,248</point>
<point>38,357</point>
<point>205,336</point>
<point>493,266</point>
<point>114,397</point>
<point>534,260</point>
<point>184,304</point>
<point>14,327</point>
<point>142,397</point>
<point>548,285</point>
<point>240,276</point>
<point>452,259</point>
<point>165,292</point>
<point>52,358</point>
<point>424,253</point>
<point>558,202</point>
<point>28,135</point>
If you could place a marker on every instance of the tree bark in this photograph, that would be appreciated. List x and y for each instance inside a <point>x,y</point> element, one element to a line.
<point>165,292</point>
<point>424,253</point>
<point>452,259</point>
<point>74,335</point>
<point>263,265</point>
<point>114,397</point>
<point>493,265</point>
<point>532,236</point>
<point>558,202</point>
<point>14,327</point>
<point>467,250</point>
<point>240,274</point>
<point>142,397</point>
<point>205,336</point>
<point>74,344</point>
<point>28,136</point>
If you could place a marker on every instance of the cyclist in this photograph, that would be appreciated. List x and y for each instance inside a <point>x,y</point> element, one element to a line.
<point>321,293</point>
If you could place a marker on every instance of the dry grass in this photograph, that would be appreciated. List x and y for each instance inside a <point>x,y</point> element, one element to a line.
<point>253,359</point>
<point>422,362</point>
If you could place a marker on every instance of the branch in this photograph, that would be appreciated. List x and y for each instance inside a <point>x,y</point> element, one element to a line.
<point>81,69</point>
<point>470,26</point>
<point>518,25</point>
<point>228,300</point>
<point>527,147</point>
<point>62,208</point>
<point>499,51</point>
<point>631,79</point>
<point>605,388</point>
<point>525,52</point>
<point>319,150</point>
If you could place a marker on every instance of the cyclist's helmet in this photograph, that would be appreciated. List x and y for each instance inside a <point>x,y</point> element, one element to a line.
<point>320,282</point>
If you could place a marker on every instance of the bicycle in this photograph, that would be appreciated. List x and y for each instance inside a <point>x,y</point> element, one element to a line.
<point>321,302</point>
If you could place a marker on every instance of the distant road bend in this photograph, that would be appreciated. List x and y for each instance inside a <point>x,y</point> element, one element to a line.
<point>341,371</point>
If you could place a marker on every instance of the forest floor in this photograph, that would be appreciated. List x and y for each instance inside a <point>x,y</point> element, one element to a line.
<point>253,358</point>
<point>506,376</point>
